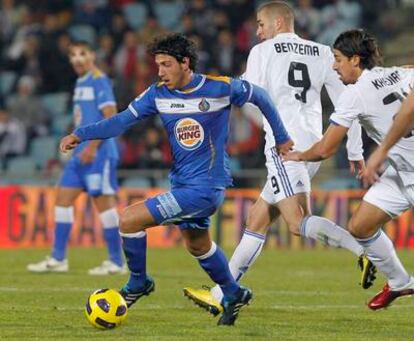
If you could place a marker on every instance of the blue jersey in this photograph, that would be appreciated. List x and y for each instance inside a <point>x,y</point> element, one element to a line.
<point>197,122</point>
<point>92,93</point>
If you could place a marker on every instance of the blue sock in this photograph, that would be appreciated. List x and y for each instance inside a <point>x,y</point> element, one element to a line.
<point>135,250</point>
<point>113,242</point>
<point>62,232</point>
<point>215,264</point>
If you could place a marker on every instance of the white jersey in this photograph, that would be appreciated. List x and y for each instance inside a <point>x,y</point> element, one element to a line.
<point>374,100</point>
<point>293,71</point>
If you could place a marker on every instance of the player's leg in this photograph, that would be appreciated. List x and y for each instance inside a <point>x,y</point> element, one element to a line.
<point>327,232</point>
<point>64,218</point>
<point>212,259</point>
<point>108,214</point>
<point>101,182</point>
<point>69,188</point>
<point>259,218</point>
<point>132,224</point>
<point>383,201</point>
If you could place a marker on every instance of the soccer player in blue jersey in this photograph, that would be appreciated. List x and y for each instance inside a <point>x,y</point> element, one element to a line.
<point>194,109</point>
<point>91,169</point>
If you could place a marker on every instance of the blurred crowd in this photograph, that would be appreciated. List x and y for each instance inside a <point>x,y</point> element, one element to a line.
<point>35,36</point>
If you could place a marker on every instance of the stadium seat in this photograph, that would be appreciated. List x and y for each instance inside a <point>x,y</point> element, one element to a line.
<point>163,183</point>
<point>61,124</point>
<point>83,32</point>
<point>21,165</point>
<point>42,149</point>
<point>168,13</point>
<point>56,103</point>
<point>137,182</point>
<point>7,80</point>
<point>135,15</point>
<point>338,183</point>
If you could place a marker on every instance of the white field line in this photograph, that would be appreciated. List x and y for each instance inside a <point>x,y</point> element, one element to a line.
<point>261,292</point>
<point>185,307</point>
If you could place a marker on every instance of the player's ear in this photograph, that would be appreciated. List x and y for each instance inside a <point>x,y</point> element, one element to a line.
<point>355,60</point>
<point>186,63</point>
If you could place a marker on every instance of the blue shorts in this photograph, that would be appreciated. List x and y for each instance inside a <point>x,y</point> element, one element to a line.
<point>97,178</point>
<point>186,207</point>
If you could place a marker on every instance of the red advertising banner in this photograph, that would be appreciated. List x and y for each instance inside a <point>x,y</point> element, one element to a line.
<point>26,218</point>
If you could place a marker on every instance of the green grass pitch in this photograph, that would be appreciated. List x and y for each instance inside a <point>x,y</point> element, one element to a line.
<point>298,295</point>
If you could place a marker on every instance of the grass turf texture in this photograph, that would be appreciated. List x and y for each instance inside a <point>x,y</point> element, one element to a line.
<point>298,295</point>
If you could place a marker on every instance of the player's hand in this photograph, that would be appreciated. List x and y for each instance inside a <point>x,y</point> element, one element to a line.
<point>292,156</point>
<point>88,154</point>
<point>357,168</point>
<point>283,149</point>
<point>68,143</point>
<point>374,165</point>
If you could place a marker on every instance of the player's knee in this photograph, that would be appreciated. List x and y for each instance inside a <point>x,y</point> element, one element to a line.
<point>354,228</point>
<point>128,222</point>
<point>294,222</point>
<point>253,224</point>
<point>198,248</point>
<point>294,227</point>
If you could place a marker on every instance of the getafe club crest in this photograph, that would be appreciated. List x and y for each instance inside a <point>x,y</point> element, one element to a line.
<point>203,105</point>
<point>189,133</point>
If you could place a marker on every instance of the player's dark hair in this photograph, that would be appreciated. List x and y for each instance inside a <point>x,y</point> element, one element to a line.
<point>361,43</point>
<point>177,46</point>
<point>82,43</point>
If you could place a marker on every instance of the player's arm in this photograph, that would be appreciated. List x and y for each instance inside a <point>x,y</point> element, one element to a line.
<point>142,107</point>
<point>354,145</point>
<point>88,154</point>
<point>402,125</point>
<point>323,149</point>
<point>104,129</point>
<point>243,91</point>
<point>348,108</point>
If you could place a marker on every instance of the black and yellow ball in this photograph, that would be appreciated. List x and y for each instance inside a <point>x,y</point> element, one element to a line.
<point>106,309</point>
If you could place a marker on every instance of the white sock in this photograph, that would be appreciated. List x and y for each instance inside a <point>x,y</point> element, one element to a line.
<point>329,233</point>
<point>246,253</point>
<point>380,250</point>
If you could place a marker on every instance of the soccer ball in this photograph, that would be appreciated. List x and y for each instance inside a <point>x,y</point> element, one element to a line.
<point>106,309</point>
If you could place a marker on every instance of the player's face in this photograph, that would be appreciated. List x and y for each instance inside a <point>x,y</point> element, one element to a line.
<point>347,68</point>
<point>266,28</point>
<point>174,74</point>
<point>82,59</point>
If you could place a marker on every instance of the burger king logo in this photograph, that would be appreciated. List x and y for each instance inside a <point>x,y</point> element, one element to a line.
<point>189,133</point>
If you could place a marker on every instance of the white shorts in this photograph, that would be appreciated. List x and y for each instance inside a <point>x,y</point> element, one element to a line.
<point>390,194</point>
<point>285,179</point>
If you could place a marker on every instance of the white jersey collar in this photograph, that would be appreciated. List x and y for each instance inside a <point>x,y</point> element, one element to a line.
<point>286,35</point>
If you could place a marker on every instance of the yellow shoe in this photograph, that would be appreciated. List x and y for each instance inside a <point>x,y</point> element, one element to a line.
<point>204,299</point>
<point>368,271</point>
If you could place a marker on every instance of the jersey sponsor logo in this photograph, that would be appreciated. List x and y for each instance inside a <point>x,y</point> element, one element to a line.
<point>302,49</point>
<point>176,105</point>
<point>189,133</point>
<point>84,93</point>
<point>169,206</point>
<point>203,105</point>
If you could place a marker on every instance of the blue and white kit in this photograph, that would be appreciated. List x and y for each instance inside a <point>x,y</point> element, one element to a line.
<point>196,118</point>
<point>92,93</point>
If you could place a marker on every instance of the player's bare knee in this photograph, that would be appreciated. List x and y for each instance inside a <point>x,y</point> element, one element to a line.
<point>197,249</point>
<point>128,222</point>
<point>354,228</point>
<point>294,228</point>
<point>294,222</point>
